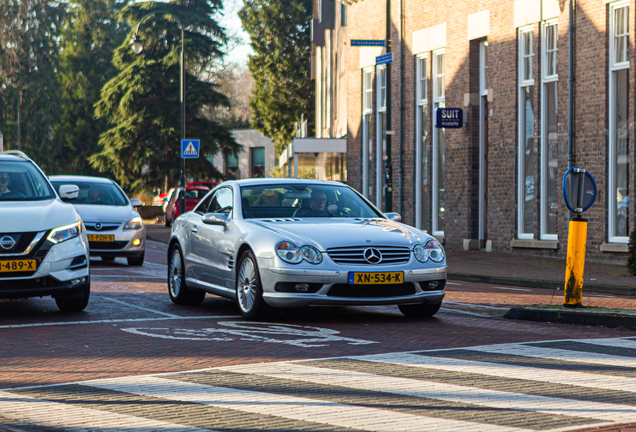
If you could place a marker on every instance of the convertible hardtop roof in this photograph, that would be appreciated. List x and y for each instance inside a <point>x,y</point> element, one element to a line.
<point>281,180</point>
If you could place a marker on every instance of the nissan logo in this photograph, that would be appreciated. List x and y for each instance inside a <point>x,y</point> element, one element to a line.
<point>98,226</point>
<point>373,256</point>
<point>7,242</point>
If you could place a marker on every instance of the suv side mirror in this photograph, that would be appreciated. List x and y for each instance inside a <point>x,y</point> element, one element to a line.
<point>136,203</point>
<point>215,219</point>
<point>69,192</point>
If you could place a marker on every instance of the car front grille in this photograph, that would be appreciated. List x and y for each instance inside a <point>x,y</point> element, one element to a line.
<point>98,245</point>
<point>355,254</point>
<point>106,226</point>
<point>23,240</point>
<point>39,252</point>
<point>382,290</point>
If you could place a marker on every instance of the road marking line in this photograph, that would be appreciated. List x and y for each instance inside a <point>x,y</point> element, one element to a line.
<point>612,342</point>
<point>141,307</point>
<point>55,414</point>
<point>441,391</point>
<point>464,312</point>
<point>475,305</point>
<point>297,408</point>
<point>512,289</point>
<point>501,370</point>
<point>452,283</point>
<point>559,354</point>
<point>112,321</point>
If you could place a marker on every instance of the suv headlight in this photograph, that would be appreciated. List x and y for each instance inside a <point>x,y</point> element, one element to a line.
<point>134,224</point>
<point>432,250</point>
<point>67,232</point>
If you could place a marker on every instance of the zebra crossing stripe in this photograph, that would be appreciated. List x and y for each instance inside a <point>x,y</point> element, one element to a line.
<point>613,342</point>
<point>580,379</point>
<point>297,408</point>
<point>443,391</point>
<point>54,414</point>
<point>558,354</point>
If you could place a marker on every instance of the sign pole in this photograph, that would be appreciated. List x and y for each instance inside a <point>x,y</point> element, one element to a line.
<point>577,239</point>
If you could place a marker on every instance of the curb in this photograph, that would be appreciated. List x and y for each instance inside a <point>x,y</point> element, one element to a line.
<point>553,285</point>
<point>578,318</point>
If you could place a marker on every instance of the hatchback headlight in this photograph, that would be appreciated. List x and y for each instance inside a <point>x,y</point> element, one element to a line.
<point>67,232</point>
<point>289,252</point>
<point>311,254</point>
<point>134,224</point>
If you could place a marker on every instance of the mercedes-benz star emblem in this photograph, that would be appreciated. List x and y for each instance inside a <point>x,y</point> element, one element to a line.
<point>373,256</point>
<point>7,242</point>
<point>98,226</point>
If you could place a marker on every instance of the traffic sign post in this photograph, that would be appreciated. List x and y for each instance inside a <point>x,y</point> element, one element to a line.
<point>579,191</point>
<point>190,148</point>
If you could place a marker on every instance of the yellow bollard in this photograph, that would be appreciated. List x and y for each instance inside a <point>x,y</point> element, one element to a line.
<point>577,238</point>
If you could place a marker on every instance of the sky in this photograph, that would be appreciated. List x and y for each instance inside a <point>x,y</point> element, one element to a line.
<point>232,23</point>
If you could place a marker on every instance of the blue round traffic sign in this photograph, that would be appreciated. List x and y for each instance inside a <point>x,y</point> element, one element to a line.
<point>579,189</point>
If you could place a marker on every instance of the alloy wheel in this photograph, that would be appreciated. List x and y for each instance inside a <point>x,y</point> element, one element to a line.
<point>174,277</point>
<point>247,285</point>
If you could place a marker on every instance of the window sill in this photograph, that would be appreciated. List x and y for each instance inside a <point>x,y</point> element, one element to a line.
<point>534,244</point>
<point>614,247</point>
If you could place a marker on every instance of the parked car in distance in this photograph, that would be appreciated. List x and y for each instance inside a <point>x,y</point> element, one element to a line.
<point>194,194</point>
<point>292,242</point>
<point>114,227</point>
<point>43,242</point>
<point>208,184</point>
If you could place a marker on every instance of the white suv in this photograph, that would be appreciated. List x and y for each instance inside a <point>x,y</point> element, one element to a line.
<point>43,242</point>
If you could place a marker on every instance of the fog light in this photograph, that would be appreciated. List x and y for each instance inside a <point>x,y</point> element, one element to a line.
<point>136,242</point>
<point>433,285</point>
<point>302,287</point>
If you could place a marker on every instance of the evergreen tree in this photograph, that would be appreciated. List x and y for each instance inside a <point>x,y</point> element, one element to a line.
<point>281,67</point>
<point>141,104</point>
<point>29,32</point>
<point>91,34</point>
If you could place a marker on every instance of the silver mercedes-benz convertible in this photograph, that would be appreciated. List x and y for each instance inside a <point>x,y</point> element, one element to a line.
<point>290,242</point>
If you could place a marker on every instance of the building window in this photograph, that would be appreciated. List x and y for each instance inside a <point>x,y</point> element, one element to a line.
<point>618,196</point>
<point>343,14</point>
<point>422,188</point>
<point>381,122</point>
<point>232,167</point>
<point>526,121</point>
<point>257,164</point>
<point>549,133</point>
<point>439,146</point>
<point>368,172</point>
<point>382,88</point>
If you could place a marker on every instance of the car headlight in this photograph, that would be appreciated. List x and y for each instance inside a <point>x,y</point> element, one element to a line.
<point>134,224</point>
<point>435,250</point>
<point>66,232</point>
<point>289,252</point>
<point>420,253</point>
<point>311,254</point>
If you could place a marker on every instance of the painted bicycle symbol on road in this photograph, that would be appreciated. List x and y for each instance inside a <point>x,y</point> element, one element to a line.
<point>290,334</point>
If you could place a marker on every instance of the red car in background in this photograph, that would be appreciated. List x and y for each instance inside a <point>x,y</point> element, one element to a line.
<point>209,184</point>
<point>194,194</point>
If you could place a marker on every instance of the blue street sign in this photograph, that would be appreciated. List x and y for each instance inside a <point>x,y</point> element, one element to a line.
<point>362,42</point>
<point>452,118</point>
<point>579,189</point>
<point>384,59</point>
<point>190,148</point>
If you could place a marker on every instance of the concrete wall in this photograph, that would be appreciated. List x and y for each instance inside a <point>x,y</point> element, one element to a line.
<point>250,138</point>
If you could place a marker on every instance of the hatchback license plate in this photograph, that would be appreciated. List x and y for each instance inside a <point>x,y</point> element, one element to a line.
<point>18,266</point>
<point>101,237</point>
<point>357,278</point>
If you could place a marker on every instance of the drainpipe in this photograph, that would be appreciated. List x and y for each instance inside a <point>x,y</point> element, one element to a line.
<point>401,103</point>
<point>388,195</point>
<point>571,89</point>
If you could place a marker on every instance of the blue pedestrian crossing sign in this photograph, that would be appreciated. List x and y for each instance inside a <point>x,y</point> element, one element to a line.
<point>190,148</point>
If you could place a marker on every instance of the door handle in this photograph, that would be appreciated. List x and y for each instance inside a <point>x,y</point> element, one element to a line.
<point>194,229</point>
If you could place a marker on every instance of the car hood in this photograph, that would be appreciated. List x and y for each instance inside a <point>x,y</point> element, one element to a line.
<point>339,232</point>
<point>30,216</point>
<point>102,213</point>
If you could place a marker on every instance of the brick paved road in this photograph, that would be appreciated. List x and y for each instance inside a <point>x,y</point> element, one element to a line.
<point>310,369</point>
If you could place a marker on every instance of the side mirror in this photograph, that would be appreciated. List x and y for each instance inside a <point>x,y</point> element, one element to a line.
<point>136,203</point>
<point>395,217</point>
<point>69,192</point>
<point>215,219</point>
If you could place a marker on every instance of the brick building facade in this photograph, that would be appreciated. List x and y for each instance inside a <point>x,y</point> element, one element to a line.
<point>496,183</point>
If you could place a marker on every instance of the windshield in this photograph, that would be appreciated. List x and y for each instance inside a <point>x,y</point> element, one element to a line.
<point>94,193</point>
<point>306,201</point>
<point>21,181</point>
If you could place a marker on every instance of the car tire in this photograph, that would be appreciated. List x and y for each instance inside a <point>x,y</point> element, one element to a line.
<point>249,290</point>
<point>74,303</point>
<point>179,292</point>
<point>108,259</point>
<point>422,310</point>
<point>136,261</point>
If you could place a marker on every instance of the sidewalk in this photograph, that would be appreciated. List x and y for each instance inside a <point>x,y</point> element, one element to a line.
<point>535,272</point>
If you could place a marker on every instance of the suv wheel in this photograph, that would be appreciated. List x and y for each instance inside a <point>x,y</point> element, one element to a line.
<point>76,302</point>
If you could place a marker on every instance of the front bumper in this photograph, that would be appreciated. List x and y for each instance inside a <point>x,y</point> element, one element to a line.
<point>122,246</point>
<point>325,280</point>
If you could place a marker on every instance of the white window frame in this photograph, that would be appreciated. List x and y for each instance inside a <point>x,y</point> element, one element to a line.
<point>421,81</point>
<point>381,83</point>
<point>483,139</point>
<point>439,99</point>
<point>367,112</point>
<point>523,83</point>
<point>319,84</point>
<point>546,78</point>
<point>613,67</point>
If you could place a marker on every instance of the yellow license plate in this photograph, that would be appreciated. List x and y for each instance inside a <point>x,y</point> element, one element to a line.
<point>357,278</point>
<point>18,266</point>
<point>101,237</point>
